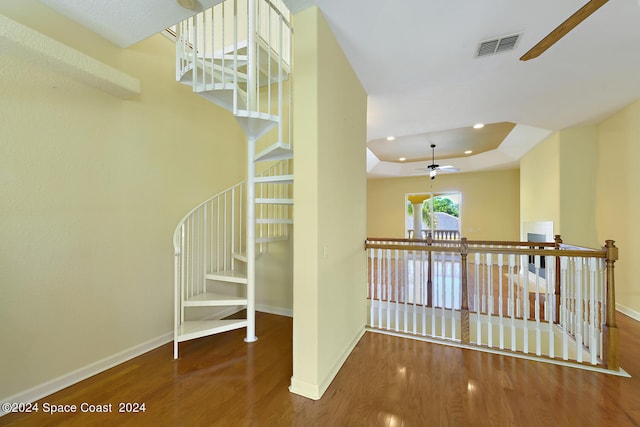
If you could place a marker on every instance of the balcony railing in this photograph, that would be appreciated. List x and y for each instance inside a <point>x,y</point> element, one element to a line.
<point>549,300</point>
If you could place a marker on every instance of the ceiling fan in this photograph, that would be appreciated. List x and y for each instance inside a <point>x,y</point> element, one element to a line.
<point>433,168</point>
<point>561,30</point>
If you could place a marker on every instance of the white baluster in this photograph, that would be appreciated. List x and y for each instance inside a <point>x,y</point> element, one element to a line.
<point>500,302</point>
<point>388,289</point>
<point>379,287</point>
<point>405,289</point>
<point>593,320</point>
<point>444,285</point>
<point>512,299</point>
<point>423,290</point>
<point>371,286</point>
<point>578,308</point>
<point>550,303</point>
<point>397,288</point>
<point>477,298</point>
<point>414,293</point>
<point>489,268</point>
<point>525,301</point>
<point>536,306</point>
<point>435,289</point>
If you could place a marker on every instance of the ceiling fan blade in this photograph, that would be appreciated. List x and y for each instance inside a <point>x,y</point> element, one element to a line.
<point>449,169</point>
<point>583,13</point>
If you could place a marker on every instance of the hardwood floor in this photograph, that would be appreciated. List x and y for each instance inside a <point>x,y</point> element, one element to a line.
<point>386,381</point>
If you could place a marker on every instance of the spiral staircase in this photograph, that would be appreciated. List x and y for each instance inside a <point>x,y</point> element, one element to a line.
<point>237,55</point>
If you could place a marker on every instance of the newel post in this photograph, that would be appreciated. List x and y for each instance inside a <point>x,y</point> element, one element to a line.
<point>558,241</point>
<point>464,306</point>
<point>611,333</point>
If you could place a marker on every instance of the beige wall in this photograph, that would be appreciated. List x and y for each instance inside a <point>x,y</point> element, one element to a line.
<point>557,184</point>
<point>618,199</point>
<point>489,206</point>
<point>274,277</point>
<point>330,207</point>
<point>578,160</point>
<point>540,183</point>
<point>92,187</point>
<point>591,176</point>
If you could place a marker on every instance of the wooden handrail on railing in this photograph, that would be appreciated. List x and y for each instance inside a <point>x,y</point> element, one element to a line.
<point>527,294</point>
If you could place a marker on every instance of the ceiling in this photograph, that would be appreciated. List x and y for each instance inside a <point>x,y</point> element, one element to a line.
<point>417,62</point>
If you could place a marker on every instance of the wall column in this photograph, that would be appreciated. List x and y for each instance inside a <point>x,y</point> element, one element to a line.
<point>330,176</point>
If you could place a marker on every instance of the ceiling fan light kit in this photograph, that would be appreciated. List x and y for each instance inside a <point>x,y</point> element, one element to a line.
<point>433,166</point>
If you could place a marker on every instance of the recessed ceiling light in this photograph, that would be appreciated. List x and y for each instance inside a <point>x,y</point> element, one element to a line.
<point>391,138</point>
<point>478,126</point>
<point>468,152</point>
<point>402,159</point>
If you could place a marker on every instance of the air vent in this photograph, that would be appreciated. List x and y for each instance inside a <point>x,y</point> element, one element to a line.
<point>501,44</point>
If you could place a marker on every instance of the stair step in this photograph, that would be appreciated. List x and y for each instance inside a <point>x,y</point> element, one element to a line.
<point>207,66</point>
<point>212,299</point>
<point>274,221</point>
<point>274,201</point>
<point>277,151</point>
<point>222,94</point>
<point>227,276</point>
<point>271,239</point>
<point>204,73</point>
<point>274,179</point>
<point>242,256</point>
<point>202,328</point>
<point>228,60</point>
<point>256,124</point>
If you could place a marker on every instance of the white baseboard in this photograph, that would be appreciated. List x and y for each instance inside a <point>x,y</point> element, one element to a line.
<point>629,312</point>
<point>288,312</point>
<point>57,384</point>
<point>315,391</point>
<point>305,389</point>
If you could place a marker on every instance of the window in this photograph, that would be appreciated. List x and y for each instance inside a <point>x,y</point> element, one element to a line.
<point>435,213</point>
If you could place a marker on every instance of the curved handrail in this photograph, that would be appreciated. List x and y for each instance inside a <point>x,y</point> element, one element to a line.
<point>176,233</point>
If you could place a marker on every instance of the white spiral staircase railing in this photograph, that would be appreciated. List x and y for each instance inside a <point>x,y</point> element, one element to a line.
<point>238,56</point>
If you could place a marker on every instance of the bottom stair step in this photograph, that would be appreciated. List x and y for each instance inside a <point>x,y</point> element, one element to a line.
<point>212,299</point>
<point>202,328</point>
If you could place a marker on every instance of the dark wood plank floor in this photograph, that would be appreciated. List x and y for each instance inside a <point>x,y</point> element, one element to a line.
<point>387,381</point>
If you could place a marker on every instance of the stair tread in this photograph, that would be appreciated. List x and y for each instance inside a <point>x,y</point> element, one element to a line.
<point>255,124</point>
<point>275,179</point>
<point>277,151</point>
<point>240,256</point>
<point>201,328</point>
<point>227,276</point>
<point>272,239</point>
<point>274,200</point>
<point>214,299</point>
<point>274,221</point>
